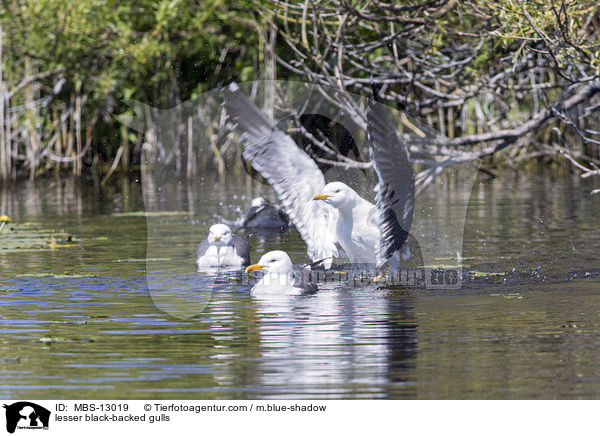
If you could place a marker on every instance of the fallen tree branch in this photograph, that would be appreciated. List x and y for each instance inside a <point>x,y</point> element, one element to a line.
<point>536,121</point>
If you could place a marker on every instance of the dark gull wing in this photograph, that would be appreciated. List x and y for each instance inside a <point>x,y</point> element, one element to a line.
<point>242,247</point>
<point>295,177</point>
<point>252,212</point>
<point>283,217</point>
<point>202,249</point>
<point>396,193</point>
<point>303,279</point>
<point>268,217</point>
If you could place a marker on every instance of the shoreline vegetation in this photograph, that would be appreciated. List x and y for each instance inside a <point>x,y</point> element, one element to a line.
<point>514,83</point>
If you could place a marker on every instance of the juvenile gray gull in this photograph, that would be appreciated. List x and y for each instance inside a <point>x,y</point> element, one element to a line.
<point>266,216</point>
<point>223,248</point>
<point>332,216</point>
<point>281,277</point>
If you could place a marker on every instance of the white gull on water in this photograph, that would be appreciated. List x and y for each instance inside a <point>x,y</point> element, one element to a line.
<point>223,248</point>
<point>333,216</point>
<point>281,277</point>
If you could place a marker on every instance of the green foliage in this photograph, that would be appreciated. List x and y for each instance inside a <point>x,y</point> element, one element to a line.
<point>134,45</point>
<point>163,52</point>
<point>157,51</point>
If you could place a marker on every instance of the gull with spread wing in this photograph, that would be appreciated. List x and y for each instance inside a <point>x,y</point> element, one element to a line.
<point>332,217</point>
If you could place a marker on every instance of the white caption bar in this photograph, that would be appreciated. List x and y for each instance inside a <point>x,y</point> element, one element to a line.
<point>289,417</point>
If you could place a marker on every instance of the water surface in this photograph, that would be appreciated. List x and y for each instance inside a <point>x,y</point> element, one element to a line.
<point>79,321</point>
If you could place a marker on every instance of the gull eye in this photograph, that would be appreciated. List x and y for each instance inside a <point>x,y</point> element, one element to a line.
<point>338,190</point>
<point>272,260</point>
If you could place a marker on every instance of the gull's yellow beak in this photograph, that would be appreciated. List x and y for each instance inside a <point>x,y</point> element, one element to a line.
<point>255,267</point>
<point>217,238</point>
<point>321,197</point>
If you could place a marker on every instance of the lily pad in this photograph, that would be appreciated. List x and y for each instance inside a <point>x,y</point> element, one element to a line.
<point>156,259</point>
<point>478,274</point>
<point>71,322</point>
<point>143,213</point>
<point>28,237</point>
<point>49,340</point>
<point>65,275</point>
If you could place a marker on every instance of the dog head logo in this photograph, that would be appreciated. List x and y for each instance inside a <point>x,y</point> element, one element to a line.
<point>26,415</point>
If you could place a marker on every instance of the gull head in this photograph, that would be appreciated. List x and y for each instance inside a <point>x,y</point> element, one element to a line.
<point>220,235</point>
<point>337,194</point>
<point>273,262</point>
<point>258,202</point>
